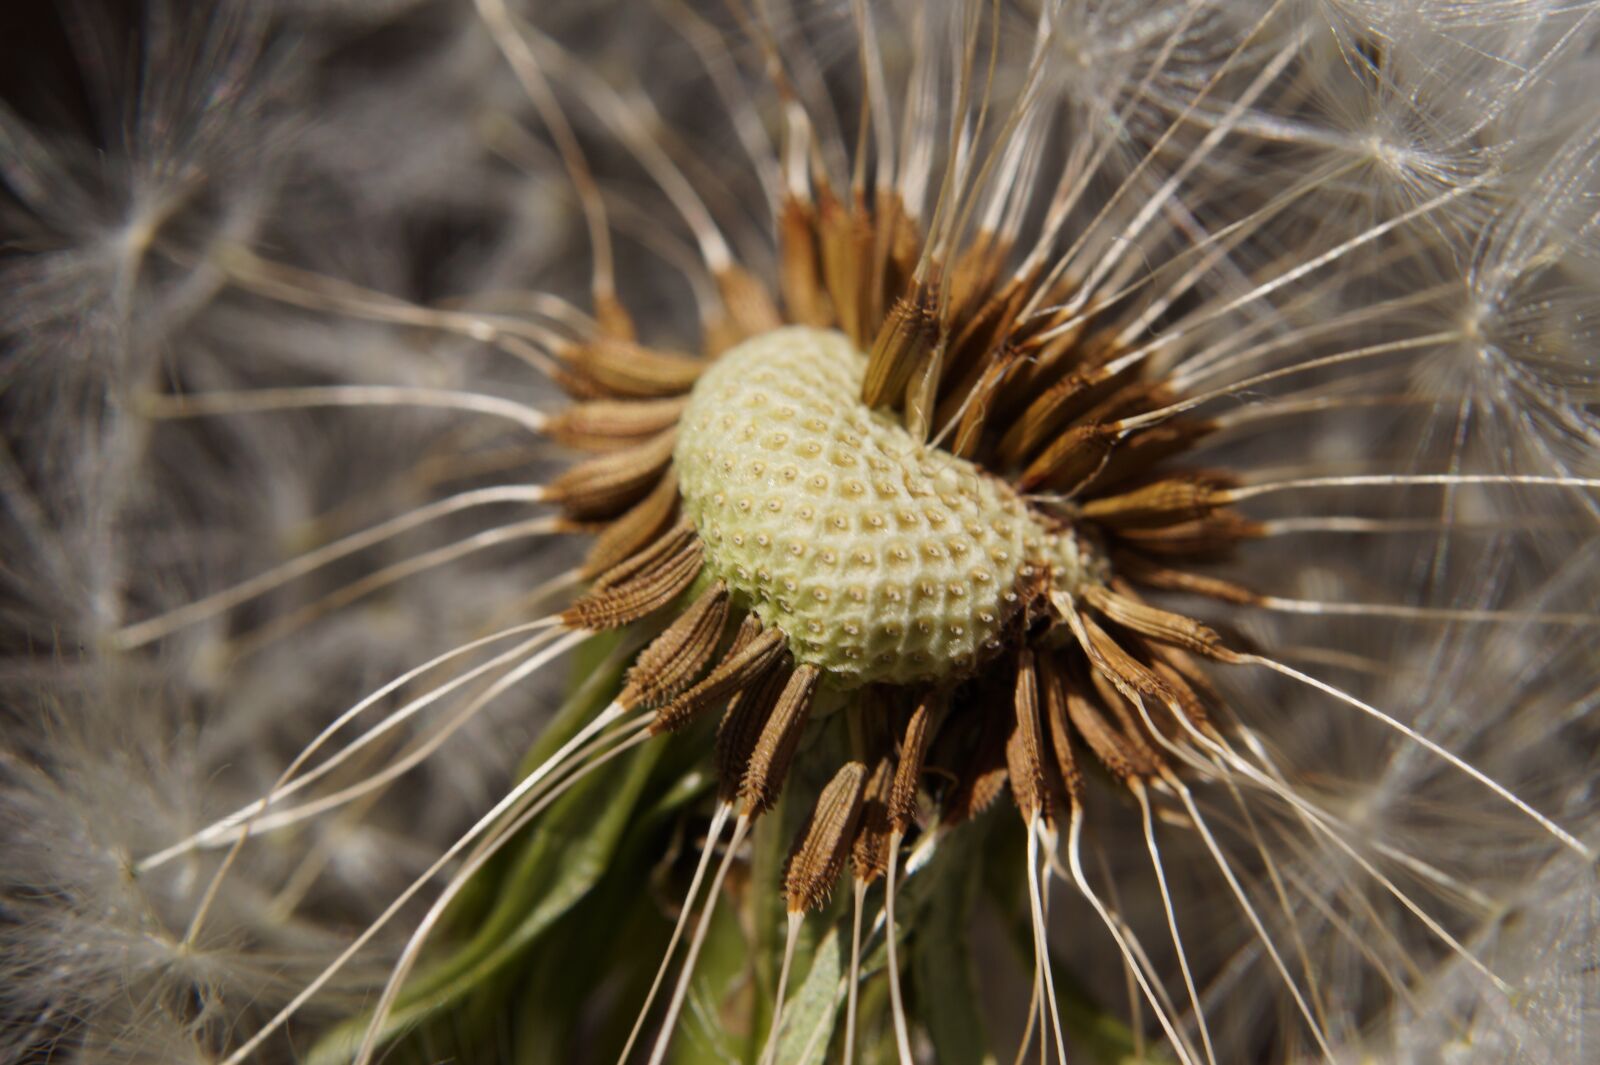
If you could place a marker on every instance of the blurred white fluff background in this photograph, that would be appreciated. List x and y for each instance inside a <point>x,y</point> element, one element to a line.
<point>155,153</point>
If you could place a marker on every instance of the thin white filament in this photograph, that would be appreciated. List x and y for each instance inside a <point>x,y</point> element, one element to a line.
<point>283,787</point>
<point>628,119</point>
<point>1353,525</point>
<point>1033,1022</point>
<point>390,722</point>
<point>713,834</point>
<point>260,400</point>
<point>143,632</point>
<point>1143,797</point>
<point>294,815</point>
<point>525,66</point>
<point>1041,941</point>
<point>658,1053</point>
<point>1397,480</point>
<point>853,987</point>
<point>1355,355</point>
<point>1422,869</point>
<point>1422,613</point>
<point>792,936</point>
<point>1125,240</point>
<point>718,61</point>
<point>1121,122</point>
<point>1286,278</point>
<point>1317,820</point>
<point>1229,352</point>
<point>1075,863</point>
<point>580,767</point>
<point>393,574</point>
<point>1306,811</point>
<point>1210,250</point>
<point>1343,926</point>
<point>902,1037</point>
<point>878,100</point>
<point>1313,986</point>
<point>1250,914</point>
<point>301,288</point>
<point>483,824</point>
<point>1410,733</point>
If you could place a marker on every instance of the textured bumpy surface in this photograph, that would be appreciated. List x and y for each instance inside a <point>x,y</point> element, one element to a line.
<point>882,559</point>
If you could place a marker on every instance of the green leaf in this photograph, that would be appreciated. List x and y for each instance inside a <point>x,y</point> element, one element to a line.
<point>813,1010</point>
<point>556,863</point>
<point>702,1037</point>
<point>941,963</point>
<point>1102,1036</point>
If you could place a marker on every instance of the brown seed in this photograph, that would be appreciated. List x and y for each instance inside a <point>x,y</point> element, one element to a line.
<point>1072,461</point>
<point>604,486</point>
<point>820,850</point>
<point>904,344</point>
<point>1154,575</point>
<point>977,403</point>
<point>1137,396</point>
<point>616,367</point>
<point>1136,454</point>
<point>799,273</point>
<point>990,328</point>
<point>780,737</point>
<point>885,274</point>
<point>674,658</point>
<point>1192,690</point>
<point>613,424</point>
<point>976,269</point>
<point>642,584</point>
<point>737,671</point>
<point>993,322</point>
<point>983,777</point>
<point>1024,747</point>
<point>922,393</point>
<point>642,525</point>
<point>1133,730</point>
<point>846,239</point>
<point>742,725</point>
<point>1190,670</point>
<point>1056,406</point>
<point>870,852</point>
<point>612,317</point>
<point>648,558</point>
<point>913,749</point>
<point>1188,701</point>
<point>1053,699</point>
<point>904,241</point>
<point>1102,738</point>
<point>749,305</point>
<point>1130,676</point>
<point>745,634</point>
<point>1213,536</point>
<point>1160,625</point>
<point>1168,502</point>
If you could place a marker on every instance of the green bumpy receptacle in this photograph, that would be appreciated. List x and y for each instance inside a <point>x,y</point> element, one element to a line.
<point>883,559</point>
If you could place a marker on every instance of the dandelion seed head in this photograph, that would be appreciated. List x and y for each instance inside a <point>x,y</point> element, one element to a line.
<point>1162,285</point>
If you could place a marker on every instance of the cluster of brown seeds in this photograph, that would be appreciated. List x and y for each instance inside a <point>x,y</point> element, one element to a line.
<point>998,376</point>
